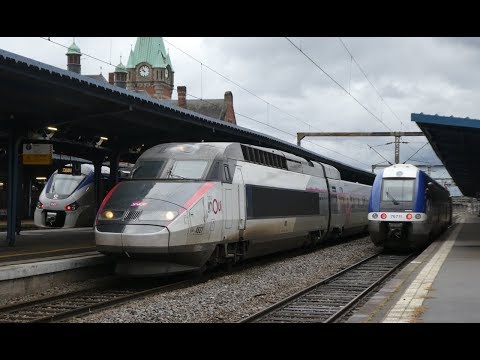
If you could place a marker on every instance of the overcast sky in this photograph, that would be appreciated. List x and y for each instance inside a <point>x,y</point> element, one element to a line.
<point>412,75</point>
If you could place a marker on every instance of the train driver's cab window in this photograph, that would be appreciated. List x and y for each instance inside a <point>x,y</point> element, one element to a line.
<point>63,184</point>
<point>397,190</point>
<point>147,169</point>
<point>188,169</point>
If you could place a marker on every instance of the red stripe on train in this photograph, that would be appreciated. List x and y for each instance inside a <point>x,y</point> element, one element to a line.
<point>105,200</point>
<point>200,192</point>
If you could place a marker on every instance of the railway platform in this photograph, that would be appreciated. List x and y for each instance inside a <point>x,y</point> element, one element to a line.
<point>44,258</point>
<point>440,285</point>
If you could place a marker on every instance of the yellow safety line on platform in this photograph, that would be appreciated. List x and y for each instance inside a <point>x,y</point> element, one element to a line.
<point>410,303</point>
<point>46,252</point>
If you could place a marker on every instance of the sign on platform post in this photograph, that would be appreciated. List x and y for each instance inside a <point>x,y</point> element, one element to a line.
<point>37,154</point>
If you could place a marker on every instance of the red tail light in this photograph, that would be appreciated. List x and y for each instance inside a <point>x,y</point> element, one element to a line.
<point>409,216</point>
<point>383,216</point>
<point>72,207</point>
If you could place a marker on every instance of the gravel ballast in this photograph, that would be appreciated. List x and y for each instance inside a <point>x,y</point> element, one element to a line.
<point>235,296</point>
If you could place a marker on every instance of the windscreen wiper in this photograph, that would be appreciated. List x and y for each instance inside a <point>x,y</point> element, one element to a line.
<point>395,202</point>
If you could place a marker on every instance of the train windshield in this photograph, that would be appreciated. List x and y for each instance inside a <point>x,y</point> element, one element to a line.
<point>63,184</point>
<point>178,169</point>
<point>147,169</point>
<point>187,169</point>
<point>397,190</point>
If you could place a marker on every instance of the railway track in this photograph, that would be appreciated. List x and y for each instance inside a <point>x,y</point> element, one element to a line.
<point>62,307</point>
<point>331,298</point>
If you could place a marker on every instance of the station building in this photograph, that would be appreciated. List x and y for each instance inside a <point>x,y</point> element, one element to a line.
<point>149,70</point>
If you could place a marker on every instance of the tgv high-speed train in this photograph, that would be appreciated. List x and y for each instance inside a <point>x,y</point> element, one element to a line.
<point>407,208</point>
<point>68,198</point>
<point>189,206</point>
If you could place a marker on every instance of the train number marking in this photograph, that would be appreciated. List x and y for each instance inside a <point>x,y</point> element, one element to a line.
<point>396,216</point>
<point>198,230</point>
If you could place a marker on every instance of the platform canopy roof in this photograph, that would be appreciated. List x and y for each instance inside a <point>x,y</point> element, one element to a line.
<point>456,141</point>
<point>36,95</point>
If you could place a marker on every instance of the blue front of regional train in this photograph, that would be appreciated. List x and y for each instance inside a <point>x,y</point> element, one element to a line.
<point>397,207</point>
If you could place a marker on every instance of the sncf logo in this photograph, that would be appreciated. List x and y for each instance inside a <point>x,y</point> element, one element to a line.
<point>138,203</point>
<point>215,206</point>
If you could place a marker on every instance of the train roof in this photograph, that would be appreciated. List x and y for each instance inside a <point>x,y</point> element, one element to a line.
<point>88,169</point>
<point>246,152</point>
<point>405,171</point>
<point>401,170</point>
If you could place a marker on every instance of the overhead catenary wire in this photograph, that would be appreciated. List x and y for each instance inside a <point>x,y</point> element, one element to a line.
<point>373,86</point>
<point>283,131</point>
<point>371,147</point>
<point>338,84</point>
<point>251,93</point>
<point>85,54</point>
<point>235,83</point>
<point>366,77</point>
<point>416,152</point>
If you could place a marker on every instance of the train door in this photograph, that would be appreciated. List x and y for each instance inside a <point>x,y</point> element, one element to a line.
<point>233,206</point>
<point>242,216</point>
<point>227,202</point>
<point>197,232</point>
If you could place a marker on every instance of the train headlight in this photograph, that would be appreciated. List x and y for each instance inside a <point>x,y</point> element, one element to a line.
<point>374,215</point>
<point>383,216</point>
<point>158,215</point>
<point>72,207</point>
<point>409,216</point>
<point>418,216</point>
<point>110,215</point>
<point>40,205</point>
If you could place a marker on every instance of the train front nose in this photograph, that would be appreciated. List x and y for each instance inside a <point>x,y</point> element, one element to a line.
<point>137,221</point>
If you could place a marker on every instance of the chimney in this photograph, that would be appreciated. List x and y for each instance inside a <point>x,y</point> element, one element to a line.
<point>182,96</point>
<point>230,113</point>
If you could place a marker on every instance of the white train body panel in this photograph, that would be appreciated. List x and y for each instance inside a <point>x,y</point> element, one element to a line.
<point>234,208</point>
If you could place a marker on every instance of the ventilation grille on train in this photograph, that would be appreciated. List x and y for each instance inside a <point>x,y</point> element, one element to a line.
<point>263,157</point>
<point>132,215</point>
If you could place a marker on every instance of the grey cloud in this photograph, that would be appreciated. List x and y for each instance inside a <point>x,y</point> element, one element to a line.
<point>435,76</point>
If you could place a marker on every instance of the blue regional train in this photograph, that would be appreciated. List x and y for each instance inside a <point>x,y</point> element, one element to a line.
<point>407,208</point>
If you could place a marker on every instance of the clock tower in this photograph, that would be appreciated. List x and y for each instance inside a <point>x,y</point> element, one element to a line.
<point>150,69</point>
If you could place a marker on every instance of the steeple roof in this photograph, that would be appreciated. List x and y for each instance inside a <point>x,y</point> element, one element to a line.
<point>73,49</point>
<point>120,68</point>
<point>150,50</point>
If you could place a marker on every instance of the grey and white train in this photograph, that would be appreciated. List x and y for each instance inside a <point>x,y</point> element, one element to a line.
<point>189,206</point>
<point>68,198</point>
